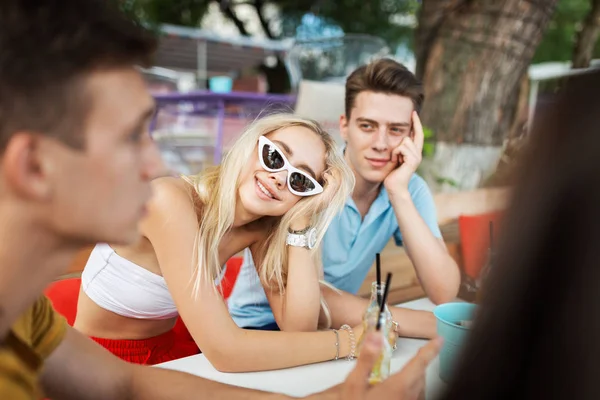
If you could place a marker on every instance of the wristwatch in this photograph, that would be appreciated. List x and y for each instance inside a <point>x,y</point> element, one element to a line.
<point>306,238</point>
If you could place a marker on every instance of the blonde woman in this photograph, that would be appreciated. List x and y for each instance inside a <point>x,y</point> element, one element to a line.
<point>276,192</point>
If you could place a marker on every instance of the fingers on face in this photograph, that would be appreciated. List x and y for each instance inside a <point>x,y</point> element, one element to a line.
<point>406,149</point>
<point>409,144</point>
<point>418,130</point>
<point>410,151</point>
<point>397,155</point>
<point>332,176</point>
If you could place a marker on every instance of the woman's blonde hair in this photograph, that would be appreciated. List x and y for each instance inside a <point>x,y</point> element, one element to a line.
<point>217,192</point>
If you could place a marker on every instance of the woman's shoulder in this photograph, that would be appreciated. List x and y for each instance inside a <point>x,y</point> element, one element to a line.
<point>170,183</point>
<point>173,194</point>
<point>171,210</point>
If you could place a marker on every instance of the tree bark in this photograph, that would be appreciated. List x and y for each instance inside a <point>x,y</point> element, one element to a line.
<point>432,15</point>
<point>472,56</point>
<point>510,162</point>
<point>587,37</point>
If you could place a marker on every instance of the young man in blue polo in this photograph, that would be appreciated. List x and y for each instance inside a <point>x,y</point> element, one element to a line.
<point>384,142</point>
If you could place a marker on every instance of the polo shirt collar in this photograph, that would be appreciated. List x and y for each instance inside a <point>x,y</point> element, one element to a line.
<point>379,206</point>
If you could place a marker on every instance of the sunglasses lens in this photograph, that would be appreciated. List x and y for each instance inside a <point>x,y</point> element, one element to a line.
<point>271,157</point>
<point>301,183</point>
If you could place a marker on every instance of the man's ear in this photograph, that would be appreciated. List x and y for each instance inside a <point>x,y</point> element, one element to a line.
<point>344,127</point>
<point>24,170</point>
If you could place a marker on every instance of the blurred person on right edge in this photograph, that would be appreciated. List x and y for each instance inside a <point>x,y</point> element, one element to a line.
<point>384,141</point>
<point>536,333</point>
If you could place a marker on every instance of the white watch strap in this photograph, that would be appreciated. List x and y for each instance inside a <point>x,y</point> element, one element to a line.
<point>296,240</point>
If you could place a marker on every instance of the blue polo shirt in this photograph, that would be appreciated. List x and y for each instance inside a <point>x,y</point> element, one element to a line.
<point>348,248</point>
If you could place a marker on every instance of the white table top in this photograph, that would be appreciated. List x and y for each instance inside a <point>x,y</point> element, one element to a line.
<point>308,379</point>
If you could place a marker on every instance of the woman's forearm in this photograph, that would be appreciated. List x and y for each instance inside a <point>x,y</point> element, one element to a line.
<point>255,350</point>
<point>301,306</point>
<point>233,349</point>
<point>414,323</point>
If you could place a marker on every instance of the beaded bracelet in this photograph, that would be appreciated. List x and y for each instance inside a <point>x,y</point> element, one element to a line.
<point>352,354</point>
<point>337,344</point>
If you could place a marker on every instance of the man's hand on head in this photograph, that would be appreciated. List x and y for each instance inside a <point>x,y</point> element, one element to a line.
<point>408,155</point>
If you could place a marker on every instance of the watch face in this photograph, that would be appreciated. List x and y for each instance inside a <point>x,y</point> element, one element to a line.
<point>312,238</point>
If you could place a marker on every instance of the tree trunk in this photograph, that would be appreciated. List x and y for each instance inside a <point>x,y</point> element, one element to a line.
<point>472,57</point>
<point>510,161</point>
<point>587,37</point>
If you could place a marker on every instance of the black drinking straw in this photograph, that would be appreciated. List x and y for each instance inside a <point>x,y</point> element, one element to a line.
<point>378,267</point>
<point>388,279</point>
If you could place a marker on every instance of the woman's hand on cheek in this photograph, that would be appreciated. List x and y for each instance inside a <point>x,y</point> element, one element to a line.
<point>331,184</point>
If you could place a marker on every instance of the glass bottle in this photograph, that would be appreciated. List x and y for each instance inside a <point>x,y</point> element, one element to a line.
<point>372,313</point>
<point>381,369</point>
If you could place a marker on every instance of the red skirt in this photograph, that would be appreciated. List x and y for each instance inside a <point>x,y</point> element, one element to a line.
<point>155,350</point>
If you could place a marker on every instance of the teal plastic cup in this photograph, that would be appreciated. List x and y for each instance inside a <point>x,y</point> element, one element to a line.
<point>448,317</point>
<point>220,84</point>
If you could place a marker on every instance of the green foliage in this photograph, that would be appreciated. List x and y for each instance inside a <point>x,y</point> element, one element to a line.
<point>176,12</point>
<point>429,142</point>
<point>440,180</point>
<point>559,39</point>
<point>375,17</point>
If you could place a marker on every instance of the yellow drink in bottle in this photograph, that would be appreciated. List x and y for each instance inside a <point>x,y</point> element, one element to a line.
<point>381,369</point>
<point>372,313</point>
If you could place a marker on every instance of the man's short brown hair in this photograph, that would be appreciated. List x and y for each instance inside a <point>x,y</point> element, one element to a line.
<point>383,76</point>
<point>47,49</point>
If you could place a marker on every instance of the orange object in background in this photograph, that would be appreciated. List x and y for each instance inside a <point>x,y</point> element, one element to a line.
<point>234,264</point>
<point>475,239</point>
<point>64,295</point>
